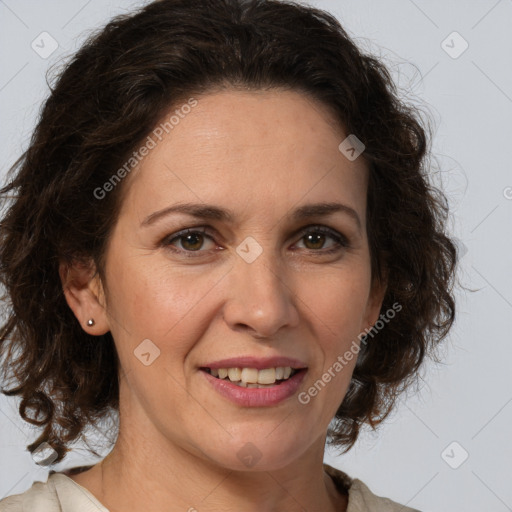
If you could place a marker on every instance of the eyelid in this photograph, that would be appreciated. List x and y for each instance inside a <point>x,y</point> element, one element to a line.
<point>334,233</point>
<point>341,240</point>
<point>205,230</point>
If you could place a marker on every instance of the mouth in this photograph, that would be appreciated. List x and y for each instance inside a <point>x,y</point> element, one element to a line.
<point>254,378</point>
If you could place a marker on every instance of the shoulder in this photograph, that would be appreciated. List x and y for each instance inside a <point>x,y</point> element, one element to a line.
<point>58,494</point>
<point>360,498</point>
<point>41,497</point>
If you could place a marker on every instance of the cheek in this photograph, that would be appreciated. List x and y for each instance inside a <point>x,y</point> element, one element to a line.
<point>339,301</point>
<point>156,300</point>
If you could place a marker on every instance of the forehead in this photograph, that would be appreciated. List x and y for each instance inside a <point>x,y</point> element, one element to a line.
<point>243,148</point>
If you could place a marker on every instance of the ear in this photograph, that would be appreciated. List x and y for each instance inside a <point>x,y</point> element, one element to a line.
<point>375,299</point>
<point>85,296</point>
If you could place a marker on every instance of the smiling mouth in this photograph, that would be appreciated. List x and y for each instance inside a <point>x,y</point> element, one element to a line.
<point>254,378</point>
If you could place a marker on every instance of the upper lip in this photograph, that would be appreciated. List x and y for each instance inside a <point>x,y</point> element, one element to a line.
<point>260,363</point>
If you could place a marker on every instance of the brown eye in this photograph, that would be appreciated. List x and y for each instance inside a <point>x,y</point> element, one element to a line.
<point>191,240</point>
<point>316,241</point>
<point>315,238</point>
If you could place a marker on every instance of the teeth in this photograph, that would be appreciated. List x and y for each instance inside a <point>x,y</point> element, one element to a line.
<point>234,374</point>
<point>267,376</point>
<point>258,386</point>
<point>252,377</point>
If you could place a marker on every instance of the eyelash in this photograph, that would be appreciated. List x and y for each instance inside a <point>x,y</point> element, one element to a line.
<point>340,239</point>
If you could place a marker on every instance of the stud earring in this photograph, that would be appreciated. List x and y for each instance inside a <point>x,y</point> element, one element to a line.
<point>90,322</point>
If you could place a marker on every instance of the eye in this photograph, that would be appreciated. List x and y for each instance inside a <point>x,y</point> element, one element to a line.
<point>315,237</point>
<point>191,240</point>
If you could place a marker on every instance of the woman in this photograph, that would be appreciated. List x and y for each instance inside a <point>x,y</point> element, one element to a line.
<point>223,230</point>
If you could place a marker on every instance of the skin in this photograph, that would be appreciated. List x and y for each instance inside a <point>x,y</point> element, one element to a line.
<point>261,155</point>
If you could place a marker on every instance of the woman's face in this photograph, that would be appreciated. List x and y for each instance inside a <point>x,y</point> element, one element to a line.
<point>253,279</point>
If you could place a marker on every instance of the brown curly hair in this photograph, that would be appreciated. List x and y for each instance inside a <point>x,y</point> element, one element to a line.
<point>110,96</point>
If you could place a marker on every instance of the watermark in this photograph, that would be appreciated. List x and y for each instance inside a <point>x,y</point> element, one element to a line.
<point>461,248</point>
<point>454,45</point>
<point>44,45</point>
<point>507,193</point>
<point>249,249</point>
<point>454,455</point>
<point>343,360</point>
<point>351,147</point>
<point>151,143</point>
<point>44,455</point>
<point>147,352</point>
<point>249,455</point>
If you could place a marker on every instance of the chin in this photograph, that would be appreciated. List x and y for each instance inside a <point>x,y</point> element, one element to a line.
<point>258,454</point>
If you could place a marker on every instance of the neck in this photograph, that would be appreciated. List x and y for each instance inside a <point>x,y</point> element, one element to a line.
<point>136,476</point>
<point>151,469</point>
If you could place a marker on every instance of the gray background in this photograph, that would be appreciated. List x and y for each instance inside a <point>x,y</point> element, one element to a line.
<point>467,399</point>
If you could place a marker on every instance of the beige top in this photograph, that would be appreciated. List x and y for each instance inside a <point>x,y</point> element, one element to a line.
<point>62,494</point>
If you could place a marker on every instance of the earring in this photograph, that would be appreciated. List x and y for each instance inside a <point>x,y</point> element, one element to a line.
<point>90,322</point>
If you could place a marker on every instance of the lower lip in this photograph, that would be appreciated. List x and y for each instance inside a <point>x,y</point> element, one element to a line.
<point>257,397</point>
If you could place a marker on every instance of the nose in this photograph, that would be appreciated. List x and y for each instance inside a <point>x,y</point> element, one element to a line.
<point>261,298</point>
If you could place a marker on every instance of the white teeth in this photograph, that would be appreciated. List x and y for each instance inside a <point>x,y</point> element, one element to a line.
<point>252,377</point>
<point>234,374</point>
<point>267,376</point>
<point>258,386</point>
<point>249,375</point>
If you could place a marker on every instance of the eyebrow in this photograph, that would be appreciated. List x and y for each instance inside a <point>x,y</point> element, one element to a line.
<point>212,212</point>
